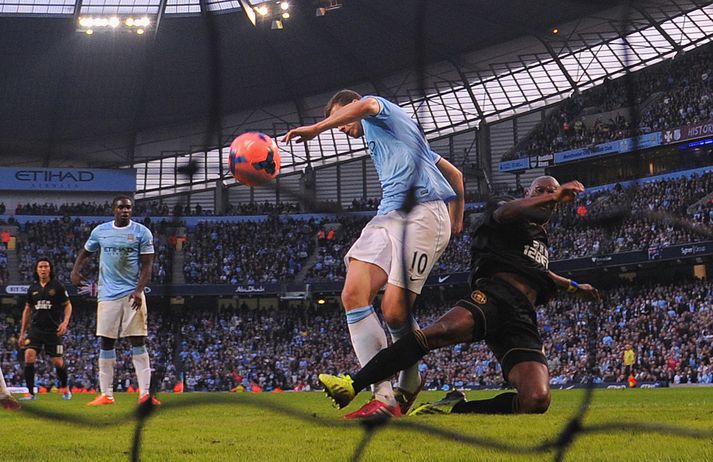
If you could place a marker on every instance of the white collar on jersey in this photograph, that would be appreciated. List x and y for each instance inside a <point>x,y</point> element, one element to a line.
<point>131,222</point>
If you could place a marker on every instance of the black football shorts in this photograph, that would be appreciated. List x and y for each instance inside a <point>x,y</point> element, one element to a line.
<point>50,342</point>
<point>506,320</point>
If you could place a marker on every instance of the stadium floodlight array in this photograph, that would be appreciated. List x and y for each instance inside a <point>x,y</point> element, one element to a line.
<point>273,11</point>
<point>135,25</point>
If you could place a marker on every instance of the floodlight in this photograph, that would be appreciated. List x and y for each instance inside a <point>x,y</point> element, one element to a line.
<point>285,15</point>
<point>114,22</point>
<point>262,10</point>
<point>140,31</point>
<point>285,6</point>
<point>89,32</point>
<point>129,22</point>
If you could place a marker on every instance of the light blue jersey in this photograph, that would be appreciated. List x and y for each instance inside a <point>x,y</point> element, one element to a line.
<point>119,267</point>
<point>403,158</point>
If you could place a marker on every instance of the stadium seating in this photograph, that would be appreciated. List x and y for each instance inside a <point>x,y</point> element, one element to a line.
<point>683,94</point>
<point>247,252</point>
<point>669,326</point>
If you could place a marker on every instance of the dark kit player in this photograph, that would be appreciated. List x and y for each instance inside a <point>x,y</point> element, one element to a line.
<point>509,277</point>
<point>47,313</point>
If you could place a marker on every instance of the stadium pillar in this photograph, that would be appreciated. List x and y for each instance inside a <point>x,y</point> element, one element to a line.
<point>485,161</point>
<point>220,200</point>
<point>307,189</point>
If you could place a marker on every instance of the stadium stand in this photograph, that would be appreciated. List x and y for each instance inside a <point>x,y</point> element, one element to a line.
<point>681,94</point>
<point>670,327</point>
<point>247,252</point>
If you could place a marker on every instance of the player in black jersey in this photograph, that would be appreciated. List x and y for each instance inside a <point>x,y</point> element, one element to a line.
<point>47,313</point>
<point>509,277</point>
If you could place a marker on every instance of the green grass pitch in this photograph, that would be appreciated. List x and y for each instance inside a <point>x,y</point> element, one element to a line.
<point>250,427</point>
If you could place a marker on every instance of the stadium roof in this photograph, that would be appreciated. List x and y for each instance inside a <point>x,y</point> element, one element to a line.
<point>62,90</point>
<point>118,100</point>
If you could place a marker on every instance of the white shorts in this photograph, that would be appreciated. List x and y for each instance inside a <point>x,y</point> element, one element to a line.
<point>428,230</point>
<point>117,319</point>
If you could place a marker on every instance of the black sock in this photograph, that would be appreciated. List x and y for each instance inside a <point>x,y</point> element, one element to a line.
<point>30,377</point>
<point>399,356</point>
<point>504,403</point>
<point>62,375</point>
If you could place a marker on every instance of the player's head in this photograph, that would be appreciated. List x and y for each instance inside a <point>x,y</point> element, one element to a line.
<point>544,185</point>
<point>122,206</point>
<point>339,100</point>
<point>43,269</point>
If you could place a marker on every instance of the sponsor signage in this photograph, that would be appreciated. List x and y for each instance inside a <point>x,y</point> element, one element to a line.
<point>514,165</point>
<point>636,257</point>
<point>646,141</point>
<point>16,290</point>
<point>688,132</point>
<point>67,179</point>
<point>452,279</point>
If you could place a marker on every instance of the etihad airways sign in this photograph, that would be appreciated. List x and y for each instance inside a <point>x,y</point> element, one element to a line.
<point>68,179</point>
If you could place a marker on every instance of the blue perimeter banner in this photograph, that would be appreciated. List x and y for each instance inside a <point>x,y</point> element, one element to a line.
<point>67,179</point>
<point>649,140</point>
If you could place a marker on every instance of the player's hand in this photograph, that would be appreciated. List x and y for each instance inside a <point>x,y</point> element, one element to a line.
<point>301,134</point>
<point>77,279</point>
<point>21,339</point>
<point>62,329</point>
<point>568,191</point>
<point>588,291</point>
<point>136,300</point>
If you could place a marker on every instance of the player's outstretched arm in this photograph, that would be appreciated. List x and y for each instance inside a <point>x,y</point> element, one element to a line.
<point>531,208</point>
<point>352,112</point>
<point>573,287</point>
<point>76,275</point>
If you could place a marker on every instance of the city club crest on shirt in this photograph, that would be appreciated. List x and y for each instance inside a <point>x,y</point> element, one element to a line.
<point>52,292</point>
<point>130,237</point>
<point>479,297</point>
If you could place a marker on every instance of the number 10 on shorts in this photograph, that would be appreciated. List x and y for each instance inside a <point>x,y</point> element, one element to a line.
<point>419,263</point>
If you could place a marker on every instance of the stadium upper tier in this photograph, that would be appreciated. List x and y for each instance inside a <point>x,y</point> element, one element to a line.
<point>667,95</point>
<point>473,76</point>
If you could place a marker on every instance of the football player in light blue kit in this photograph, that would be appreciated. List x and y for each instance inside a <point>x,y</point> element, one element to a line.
<point>125,266</point>
<point>404,162</point>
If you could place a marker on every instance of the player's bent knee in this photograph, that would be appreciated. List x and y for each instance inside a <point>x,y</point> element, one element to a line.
<point>30,356</point>
<point>394,318</point>
<point>137,341</point>
<point>353,298</point>
<point>534,402</point>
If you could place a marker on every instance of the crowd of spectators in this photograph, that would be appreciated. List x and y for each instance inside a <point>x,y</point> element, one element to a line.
<point>4,273</point>
<point>81,352</point>
<point>332,244</point>
<point>250,252</point>
<point>670,328</point>
<point>683,95</point>
<point>640,217</point>
<point>60,241</point>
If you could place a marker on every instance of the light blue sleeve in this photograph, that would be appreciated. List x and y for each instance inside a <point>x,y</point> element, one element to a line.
<point>92,244</point>
<point>385,107</point>
<point>146,242</point>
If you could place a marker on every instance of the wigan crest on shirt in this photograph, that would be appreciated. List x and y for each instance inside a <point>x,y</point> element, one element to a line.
<point>52,292</point>
<point>479,297</point>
